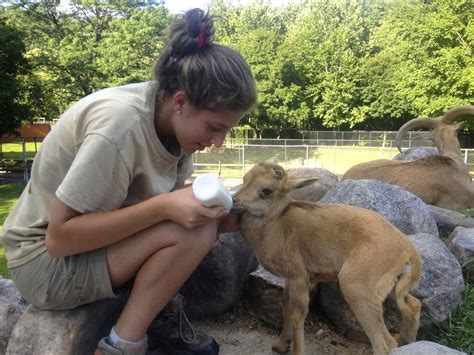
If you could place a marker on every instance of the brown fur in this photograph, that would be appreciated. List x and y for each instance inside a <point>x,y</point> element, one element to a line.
<point>440,180</point>
<point>437,180</point>
<point>304,242</point>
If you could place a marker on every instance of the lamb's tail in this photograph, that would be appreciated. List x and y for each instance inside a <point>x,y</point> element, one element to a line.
<point>409,306</point>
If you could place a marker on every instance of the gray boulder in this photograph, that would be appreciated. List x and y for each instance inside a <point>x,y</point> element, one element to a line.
<point>416,153</point>
<point>461,244</point>
<point>448,220</point>
<point>12,306</point>
<point>404,210</point>
<point>65,332</point>
<point>313,192</point>
<point>263,298</point>
<point>218,283</point>
<point>263,291</point>
<point>425,348</point>
<point>441,285</point>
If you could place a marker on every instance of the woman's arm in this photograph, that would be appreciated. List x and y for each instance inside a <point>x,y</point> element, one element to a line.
<point>70,232</point>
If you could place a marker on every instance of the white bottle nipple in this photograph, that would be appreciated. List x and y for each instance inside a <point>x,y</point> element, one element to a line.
<point>210,191</point>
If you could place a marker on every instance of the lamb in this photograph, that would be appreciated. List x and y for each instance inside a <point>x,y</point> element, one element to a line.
<point>306,242</point>
<point>440,180</point>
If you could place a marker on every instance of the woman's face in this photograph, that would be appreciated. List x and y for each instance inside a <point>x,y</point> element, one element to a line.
<point>196,129</point>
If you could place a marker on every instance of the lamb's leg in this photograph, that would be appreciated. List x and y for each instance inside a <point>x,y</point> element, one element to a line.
<point>367,307</point>
<point>299,303</point>
<point>283,342</point>
<point>410,308</point>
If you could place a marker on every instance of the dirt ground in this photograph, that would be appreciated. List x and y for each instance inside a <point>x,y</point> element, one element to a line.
<point>239,333</point>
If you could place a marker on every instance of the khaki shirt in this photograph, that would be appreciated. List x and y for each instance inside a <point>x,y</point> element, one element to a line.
<point>102,155</point>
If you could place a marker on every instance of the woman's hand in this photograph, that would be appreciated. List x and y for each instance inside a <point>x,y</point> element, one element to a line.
<point>185,210</point>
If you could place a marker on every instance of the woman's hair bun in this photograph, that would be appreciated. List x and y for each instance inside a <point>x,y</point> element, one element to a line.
<point>190,33</point>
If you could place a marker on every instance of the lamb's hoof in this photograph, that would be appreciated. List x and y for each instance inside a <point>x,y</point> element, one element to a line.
<point>281,346</point>
<point>402,340</point>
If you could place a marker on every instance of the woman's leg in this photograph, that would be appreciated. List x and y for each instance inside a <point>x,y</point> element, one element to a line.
<point>161,258</point>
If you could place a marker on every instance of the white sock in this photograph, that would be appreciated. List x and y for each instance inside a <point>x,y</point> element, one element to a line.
<point>114,338</point>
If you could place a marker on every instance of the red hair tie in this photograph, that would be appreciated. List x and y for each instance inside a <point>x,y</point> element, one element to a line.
<point>202,40</point>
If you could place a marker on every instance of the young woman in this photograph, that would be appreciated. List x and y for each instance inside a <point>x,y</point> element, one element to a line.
<point>107,203</point>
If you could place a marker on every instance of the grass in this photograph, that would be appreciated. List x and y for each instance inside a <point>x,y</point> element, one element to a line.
<point>14,151</point>
<point>9,193</point>
<point>458,333</point>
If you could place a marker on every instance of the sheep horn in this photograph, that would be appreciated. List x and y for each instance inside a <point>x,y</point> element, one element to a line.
<point>414,123</point>
<point>455,112</point>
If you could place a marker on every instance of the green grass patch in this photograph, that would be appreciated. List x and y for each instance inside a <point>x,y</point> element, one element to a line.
<point>336,159</point>
<point>14,151</point>
<point>9,193</point>
<point>458,333</point>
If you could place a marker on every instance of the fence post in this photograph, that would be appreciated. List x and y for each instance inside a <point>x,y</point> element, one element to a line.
<point>286,159</point>
<point>25,162</point>
<point>243,159</point>
<point>465,156</point>
<point>307,154</point>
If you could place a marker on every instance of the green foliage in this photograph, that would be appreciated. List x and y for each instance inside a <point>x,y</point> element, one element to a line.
<point>318,64</point>
<point>423,60</point>
<point>92,46</point>
<point>12,64</point>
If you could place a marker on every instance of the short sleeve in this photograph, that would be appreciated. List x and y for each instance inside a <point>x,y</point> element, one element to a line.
<point>97,179</point>
<point>185,168</point>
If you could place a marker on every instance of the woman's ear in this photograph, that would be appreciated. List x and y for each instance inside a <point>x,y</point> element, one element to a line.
<point>179,100</point>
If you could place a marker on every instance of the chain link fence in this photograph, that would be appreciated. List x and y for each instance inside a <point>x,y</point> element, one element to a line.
<point>337,155</point>
<point>335,151</point>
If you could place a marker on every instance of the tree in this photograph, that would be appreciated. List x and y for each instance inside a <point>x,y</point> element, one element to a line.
<point>257,30</point>
<point>90,46</point>
<point>422,62</point>
<point>12,64</point>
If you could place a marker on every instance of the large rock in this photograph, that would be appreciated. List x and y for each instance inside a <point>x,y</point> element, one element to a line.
<point>439,290</point>
<point>461,244</point>
<point>263,291</point>
<point>441,285</point>
<point>313,192</point>
<point>448,220</point>
<point>65,332</point>
<point>416,153</point>
<point>425,348</point>
<point>12,306</point>
<point>218,282</point>
<point>404,210</point>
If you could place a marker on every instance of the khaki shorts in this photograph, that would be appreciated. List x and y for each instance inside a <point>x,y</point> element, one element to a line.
<point>64,283</point>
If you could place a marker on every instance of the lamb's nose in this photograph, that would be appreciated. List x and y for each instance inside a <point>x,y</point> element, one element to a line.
<point>234,200</point>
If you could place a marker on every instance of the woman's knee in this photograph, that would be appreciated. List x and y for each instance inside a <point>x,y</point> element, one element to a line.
<point>197,239</point>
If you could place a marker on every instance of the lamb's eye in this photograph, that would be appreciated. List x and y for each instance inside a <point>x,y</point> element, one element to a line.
<point>266,192</point>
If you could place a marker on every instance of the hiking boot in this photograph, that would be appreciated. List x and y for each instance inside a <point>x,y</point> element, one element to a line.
<point>173,333</point>
<point>104,348</point>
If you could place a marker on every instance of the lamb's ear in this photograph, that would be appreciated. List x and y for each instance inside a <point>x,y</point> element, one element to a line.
<point>273,160</point>
<point>293,184</point>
